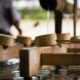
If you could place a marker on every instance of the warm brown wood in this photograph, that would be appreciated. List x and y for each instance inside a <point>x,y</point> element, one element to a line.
<point>75,38</point>
<point>63,41</point>
<point>6,40</point>
<point>11,52</point>
<point>64,36</point>
<point>73,50</point>
<point>27,41</point>
<point>29,62</point>
<point>60,59</point>
<point>74,45</point>
<point>30,58</point>
<point>70,43</point>
<point>46,40</point>
<point>77,41</point>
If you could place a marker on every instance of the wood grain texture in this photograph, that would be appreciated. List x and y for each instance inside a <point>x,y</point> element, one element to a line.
<point>30,62</point>
<point>11,52</point>
<point>6,40</point>
<point>46,40</point>
<point>60,59</point>
<point>27,41</point>
<point>64,36</point>
<point>73,50</point>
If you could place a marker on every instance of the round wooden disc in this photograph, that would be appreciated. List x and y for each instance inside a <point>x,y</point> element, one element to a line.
<point>46,40</point>
<point>27,41</point>
<point>6,40</point>
<point>64,36</point>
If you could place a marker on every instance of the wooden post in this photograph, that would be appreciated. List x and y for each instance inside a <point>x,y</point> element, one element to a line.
<point>29,62</point>
<point>60,59</point>
<point>75,16</point>
<point>58,22</point>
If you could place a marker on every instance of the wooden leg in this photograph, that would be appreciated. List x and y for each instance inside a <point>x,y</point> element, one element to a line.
<point>58,22</point>
<point>29,62</point>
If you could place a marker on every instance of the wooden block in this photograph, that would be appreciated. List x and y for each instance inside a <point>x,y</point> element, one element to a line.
<point>73,50</point>
<point>60,59</point>
<point>74,45</point>
<point>30,62</point>
<point>11,52</point>
<point>53,49</point>
<point>75,41</point>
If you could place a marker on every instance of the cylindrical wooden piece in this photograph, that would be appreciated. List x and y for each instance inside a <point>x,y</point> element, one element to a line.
<point>46,40</point>
<point>6,40</point>
<point>64,36</point>
<point>27,41</point>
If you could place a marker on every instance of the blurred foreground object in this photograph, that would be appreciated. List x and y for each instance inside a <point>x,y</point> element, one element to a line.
<point>8,17</point>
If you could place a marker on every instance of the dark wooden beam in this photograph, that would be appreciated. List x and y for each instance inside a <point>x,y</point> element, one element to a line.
<point>60,59</point>
<point>58,21</point>
<point>73,50</point>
